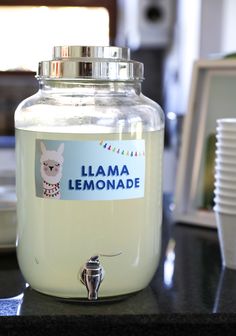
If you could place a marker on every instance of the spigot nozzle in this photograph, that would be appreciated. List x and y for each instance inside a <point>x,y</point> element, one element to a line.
<point>91,276</point>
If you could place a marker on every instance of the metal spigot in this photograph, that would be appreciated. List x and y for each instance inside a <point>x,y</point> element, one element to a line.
<point>91,276</point>
<point>93,273</point>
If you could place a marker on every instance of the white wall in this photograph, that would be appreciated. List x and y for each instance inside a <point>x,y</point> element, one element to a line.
<point>229,27</point>
<point>204,29</point>
<point>211,28</point>
<point>184,51</point>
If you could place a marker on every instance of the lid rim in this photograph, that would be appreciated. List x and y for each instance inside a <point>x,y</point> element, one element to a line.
<point>94,63</point>
<point>111,52</point>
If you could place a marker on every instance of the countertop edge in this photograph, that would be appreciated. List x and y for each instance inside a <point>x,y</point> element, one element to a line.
<point>163,324</point>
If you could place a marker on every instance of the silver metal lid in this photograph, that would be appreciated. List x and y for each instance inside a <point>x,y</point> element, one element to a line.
<point>96,63</point>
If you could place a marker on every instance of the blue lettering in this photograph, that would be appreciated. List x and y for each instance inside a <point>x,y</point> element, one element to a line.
<point>88,185</point>
<point>124,170</point>
<point>110,184</point>
<point>100,184</point>
<point>129,183</point>
<point>70,185</point>
<point>113,171</point>
<point>78,184</point>
<point>83,173</point>
<point>90,171</point>
<point>136,182</point>
<point>120,184</point>
<point>100,171</point>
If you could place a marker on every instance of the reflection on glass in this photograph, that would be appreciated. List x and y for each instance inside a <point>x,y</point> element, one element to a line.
<point>225,300</point>
<point>169,264</point>
<point>33,31</point>
<point>11,306</point>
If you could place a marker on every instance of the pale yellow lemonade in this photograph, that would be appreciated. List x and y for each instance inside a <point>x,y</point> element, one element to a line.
<point>56,237</point>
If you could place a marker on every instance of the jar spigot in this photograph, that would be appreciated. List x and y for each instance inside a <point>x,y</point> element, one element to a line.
<point>92,275</point>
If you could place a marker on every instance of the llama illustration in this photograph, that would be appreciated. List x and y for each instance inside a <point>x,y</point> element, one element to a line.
<point>51,171</point>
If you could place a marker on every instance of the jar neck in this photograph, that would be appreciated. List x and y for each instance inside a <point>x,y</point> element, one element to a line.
<point>89,87</point>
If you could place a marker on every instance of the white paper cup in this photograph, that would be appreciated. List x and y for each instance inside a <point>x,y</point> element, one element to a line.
<point>223,192</point>
<point>231,164</point>
<point>224,131</point>
<point>226,128</point>
<point>224,177</point>
<point>225,186</point>
<point>227,192</point>
<point>225,171</point>
<point>225,160</point>
<point>225,208</point>
<point>220,155</point>
<point>225,151</point>
<point>226,145</point>
<point>225,135</point>
<point>226,227</point>
<point>221,163</point>
<point>228,210</point>
<point>225,200</point>
<point>226,123</point>
<point>228,120</point>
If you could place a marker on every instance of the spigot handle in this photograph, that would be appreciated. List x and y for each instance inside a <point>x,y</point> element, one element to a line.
<point>92,275</point>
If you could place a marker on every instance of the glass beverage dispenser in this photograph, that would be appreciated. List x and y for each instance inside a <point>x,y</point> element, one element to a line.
<point>89,150</point>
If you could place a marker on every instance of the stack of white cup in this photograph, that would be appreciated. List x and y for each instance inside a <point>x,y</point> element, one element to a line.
<point>225,189</point>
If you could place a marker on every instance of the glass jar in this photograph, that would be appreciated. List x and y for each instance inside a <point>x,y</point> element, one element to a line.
<point>89,150</point>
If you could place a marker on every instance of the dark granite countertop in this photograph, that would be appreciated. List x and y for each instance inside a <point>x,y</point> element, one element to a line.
<point>190,293</point>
